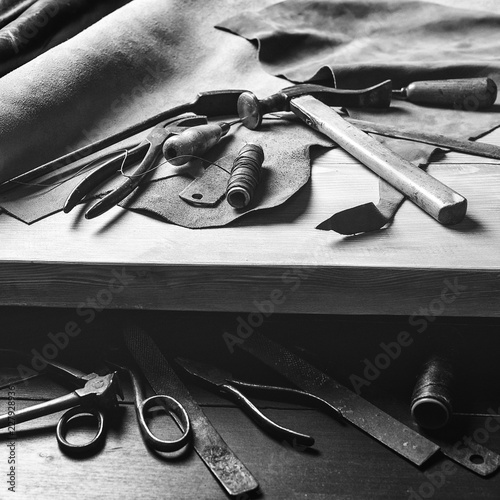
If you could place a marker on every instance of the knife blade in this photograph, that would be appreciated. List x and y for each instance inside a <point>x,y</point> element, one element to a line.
<point>378,424</point>
<point>231,473</point>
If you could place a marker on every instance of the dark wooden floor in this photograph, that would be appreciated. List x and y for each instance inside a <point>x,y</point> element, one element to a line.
<point>344,462</point>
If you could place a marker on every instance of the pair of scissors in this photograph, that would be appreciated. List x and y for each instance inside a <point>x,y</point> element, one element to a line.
<point>97,396</point>
<point>143,405</point>
<point>222,382</point>
<point>147,152</point>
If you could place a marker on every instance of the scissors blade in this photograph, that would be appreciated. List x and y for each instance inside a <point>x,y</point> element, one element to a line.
<point>211,448</point>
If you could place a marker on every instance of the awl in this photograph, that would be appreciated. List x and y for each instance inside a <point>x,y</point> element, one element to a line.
<point>469,94</point>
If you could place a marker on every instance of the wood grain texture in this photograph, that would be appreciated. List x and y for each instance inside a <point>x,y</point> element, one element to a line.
<point>65,260</point>
<point>344,463</point>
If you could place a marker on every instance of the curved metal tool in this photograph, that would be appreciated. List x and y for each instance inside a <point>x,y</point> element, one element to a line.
<point>251,110</point>
<point>94,395</point>
<point>213,103</point>
<point>398,437</point>
<point>149,149</point>
<point>222,382</point>
<point>143,404</point>
<point>211,448</point>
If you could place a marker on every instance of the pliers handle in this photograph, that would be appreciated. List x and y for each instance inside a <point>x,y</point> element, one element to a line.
<point>222,382</point>
<point>149,150</point>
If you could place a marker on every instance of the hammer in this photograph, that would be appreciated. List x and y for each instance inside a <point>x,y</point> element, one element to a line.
<point>438,200</point>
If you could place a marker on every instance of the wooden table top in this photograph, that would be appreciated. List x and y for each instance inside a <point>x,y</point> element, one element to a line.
<point>275,257</point>
<point>66,259</point>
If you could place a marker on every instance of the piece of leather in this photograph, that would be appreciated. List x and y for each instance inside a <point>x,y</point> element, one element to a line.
<point>29,30</point>
<point>143,58</point>
<point>285,170</point>
<point>355,44</point>
<point>147,56</point>
<point>360,43</point>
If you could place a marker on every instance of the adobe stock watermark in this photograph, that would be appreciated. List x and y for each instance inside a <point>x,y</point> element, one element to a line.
<point>391,351</point>
<point>292,279</point>
<point>437,479</point>
<point>88,311</point>
<point>27,32</point>
<point>11,445</point>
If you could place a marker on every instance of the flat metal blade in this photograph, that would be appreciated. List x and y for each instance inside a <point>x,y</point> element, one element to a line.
<point>367,217</point>
<point>211,448</point>
<point>460,145</point>
<point>381,426</point>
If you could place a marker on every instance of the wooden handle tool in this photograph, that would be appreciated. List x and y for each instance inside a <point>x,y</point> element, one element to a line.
<point>196,141</point>
<point>431,195</point>
<point>469,94</point>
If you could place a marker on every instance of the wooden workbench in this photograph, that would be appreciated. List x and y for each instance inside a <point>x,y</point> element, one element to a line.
<point>339,299</point>
<point>402,271</point>
<point>62,260</point>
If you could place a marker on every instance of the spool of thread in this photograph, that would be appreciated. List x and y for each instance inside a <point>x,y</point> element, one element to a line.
<point>431,402</point>
<point>245,175</point>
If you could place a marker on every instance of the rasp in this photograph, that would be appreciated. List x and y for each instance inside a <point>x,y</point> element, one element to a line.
<point>460,145</point>
<point>381,426</point>
<point>211,448</point>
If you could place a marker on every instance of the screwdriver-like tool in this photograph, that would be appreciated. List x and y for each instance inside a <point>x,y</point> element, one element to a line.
<point>195,141</point>
<point>461,93</point>
<point>434,197</point>
<point>469,94</point>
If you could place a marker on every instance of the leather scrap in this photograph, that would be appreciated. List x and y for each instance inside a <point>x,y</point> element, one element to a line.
<point>352,44</point>
<point>30,28</point>
<point>144,57</point>
<point>356,44</point>
<point>286,168</point>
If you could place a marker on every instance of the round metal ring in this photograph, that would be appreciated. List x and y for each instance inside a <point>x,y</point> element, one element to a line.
<point>171,405</point>
<point>62,429</point>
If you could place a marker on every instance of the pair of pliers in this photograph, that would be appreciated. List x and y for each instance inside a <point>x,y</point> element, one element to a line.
<point>94,395</point>
<point>222,382</point>
<point>149,150</point>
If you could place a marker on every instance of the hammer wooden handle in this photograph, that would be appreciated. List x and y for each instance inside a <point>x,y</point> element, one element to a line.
<point>431,195</point>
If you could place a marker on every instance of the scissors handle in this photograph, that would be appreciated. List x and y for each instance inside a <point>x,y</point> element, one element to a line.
<point>179,414</point>
<point>79,412</point>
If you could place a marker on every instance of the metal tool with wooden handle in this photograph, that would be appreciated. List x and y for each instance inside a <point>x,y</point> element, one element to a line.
<point>434,197</point>
<point>469,94</point>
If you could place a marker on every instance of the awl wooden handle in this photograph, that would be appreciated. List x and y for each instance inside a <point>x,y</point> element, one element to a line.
<point>431,195</point>
<point>469,94</point>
